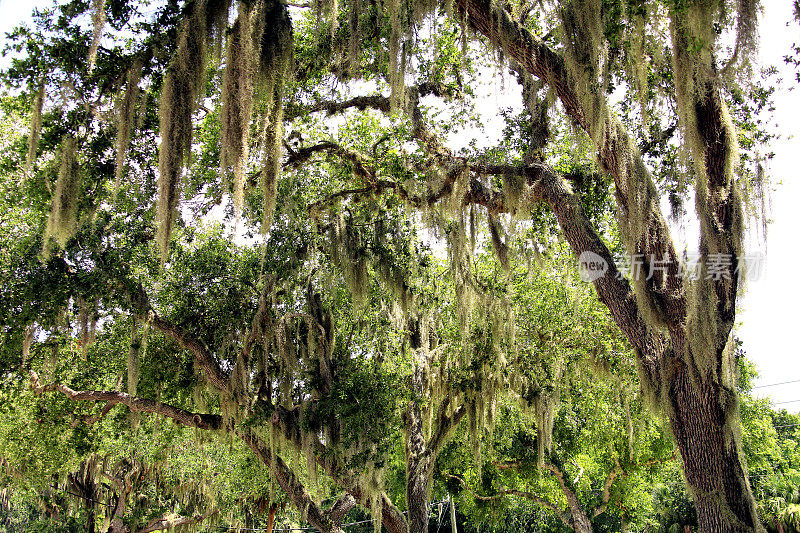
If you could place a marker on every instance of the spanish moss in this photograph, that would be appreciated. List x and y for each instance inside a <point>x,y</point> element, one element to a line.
<point>126,117</point>
<point>36,126</point>
<point>237,100</point>
<point>62,222</point>
<point>183,86</point>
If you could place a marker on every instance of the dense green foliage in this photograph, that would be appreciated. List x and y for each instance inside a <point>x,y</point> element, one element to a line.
<point>232,286</point>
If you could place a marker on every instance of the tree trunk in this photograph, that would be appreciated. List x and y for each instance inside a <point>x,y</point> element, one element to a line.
<point>418,471</point>
<point>90,517</point>
<point>580,520</point>
<point>701,421</point>
<point>453,524</point>
<point>417,479</point>
<point>271,519</point>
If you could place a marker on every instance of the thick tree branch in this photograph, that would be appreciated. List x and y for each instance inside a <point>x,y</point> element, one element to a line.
<point>134,403</point>
<point>340,508</point>
<point>289,482</point>
<point>287,421</point>
<point>612,288</point>
<point>361,167</point>
<point>579,515</point>
<point>376,102</point>
<point>617,470</point>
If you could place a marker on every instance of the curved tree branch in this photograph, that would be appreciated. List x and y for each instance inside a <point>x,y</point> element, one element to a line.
<point>564,517</point>
<point>214,373</point>
<point>160,524</point>
<point>134,403</point>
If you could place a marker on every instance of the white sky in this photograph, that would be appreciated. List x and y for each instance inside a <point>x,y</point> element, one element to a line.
<point>770,310</point>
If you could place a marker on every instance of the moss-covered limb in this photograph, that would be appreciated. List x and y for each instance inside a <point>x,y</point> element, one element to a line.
<point>613,289</point>
<point>419,130</point>
<point>376,102</point>
<point>712,142</point>
<point>289,482</point>
<point>134,403</point>
<point>123,489</point>
<point>340,508</point>
<point>331,107</point>
<point>518,44</point>
<point>445,424</point>
<point>500,247</point>
<point>378,186</point>
<point>288,423</point>
<point>172,522</point>
<point>662,296</point>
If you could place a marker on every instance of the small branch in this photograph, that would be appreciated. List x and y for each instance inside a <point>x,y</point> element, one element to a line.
<point>376,187</point>
<point>134,403</point>
<point>600,509</point>
<point>647,146</point>
<point>618,471</point>
<point>376,102</point>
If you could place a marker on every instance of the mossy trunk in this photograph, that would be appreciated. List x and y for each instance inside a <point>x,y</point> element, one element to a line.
<point>418,463</point>
<point>417,480</point>
<point>701,422</point>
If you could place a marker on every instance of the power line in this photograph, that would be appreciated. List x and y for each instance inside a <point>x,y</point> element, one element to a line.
<point>776,384</point>
<point>789,401</point>
<point>360,522</point>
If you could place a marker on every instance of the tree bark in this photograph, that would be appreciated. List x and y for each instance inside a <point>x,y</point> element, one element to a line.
<point>709,447</point>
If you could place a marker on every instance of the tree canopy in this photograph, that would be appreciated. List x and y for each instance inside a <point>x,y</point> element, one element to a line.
<point>252,259</point>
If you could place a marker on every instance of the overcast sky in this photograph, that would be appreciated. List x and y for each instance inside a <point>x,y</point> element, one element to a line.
<point>770,310</point>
